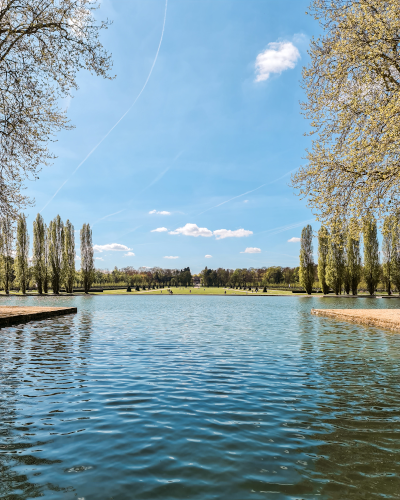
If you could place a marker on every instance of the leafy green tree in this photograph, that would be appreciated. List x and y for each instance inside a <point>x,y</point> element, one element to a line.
<point>307,259</point>
<point>22,251</point>
<point>395,268</point>
<point>323,250</point>
<point>56,244</point>
<point>371,255</point>
<point>43,46</point>
<point>39,252</point>
<point>352,85</point>
<point>335,261</point>
<point>353,260</point>
<point>68,257</point>
<point>6,249</point>
<point>87,260</point>
<point>387,251</point>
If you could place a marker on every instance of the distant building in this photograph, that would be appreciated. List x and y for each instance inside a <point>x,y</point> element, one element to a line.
<point>196,280</point>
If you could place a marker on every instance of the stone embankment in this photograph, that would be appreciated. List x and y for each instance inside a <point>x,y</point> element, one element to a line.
<point>388,319</point>
<point>12,315</point>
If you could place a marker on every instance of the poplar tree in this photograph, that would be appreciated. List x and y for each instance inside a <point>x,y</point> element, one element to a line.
<point>306,260</point>
<point>69,256</point>
<point>323,250</point>
<point>396,253</point>
<point>22,251</point>
<point>47,268</point>
<point>38,253</point>
<point>371,255</point>
<point>87,261</point>
<point>335,265</point>
<point>6,248</point>
<point>353,260</point>
<point>56,243</point>
<point>387,251</point>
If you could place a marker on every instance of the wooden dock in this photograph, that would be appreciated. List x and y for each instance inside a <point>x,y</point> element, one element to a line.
<point>388,319</point>
<point>12,315</point>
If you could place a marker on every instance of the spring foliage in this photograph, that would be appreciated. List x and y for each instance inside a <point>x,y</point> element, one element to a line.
<point>353,103</point>
<point>306,272</point>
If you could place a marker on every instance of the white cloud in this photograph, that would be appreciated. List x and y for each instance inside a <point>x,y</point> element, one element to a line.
<point>245,201</point>
<point>129,254</point>
<point>99,258</point>
<point>294,240</point>
<point>162,212</point>
<point>159,230</point>
<point>113,247</point>
<point>220,234</point>
<point>252,250</point>
<point>77,257</point>
<point>208,256</point>
<point>193,230</point>
<point>170,257</point>
<point>278,57</point>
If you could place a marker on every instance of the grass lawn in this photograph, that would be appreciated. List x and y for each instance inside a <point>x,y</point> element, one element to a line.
<point>194,291</point>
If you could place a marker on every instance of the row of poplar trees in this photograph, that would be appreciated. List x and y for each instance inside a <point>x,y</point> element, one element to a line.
<point>340,266</point>
<point>53,254</point>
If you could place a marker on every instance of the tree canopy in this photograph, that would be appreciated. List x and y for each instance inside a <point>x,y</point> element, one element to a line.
<point>352,86</point>
<point>43,45</point>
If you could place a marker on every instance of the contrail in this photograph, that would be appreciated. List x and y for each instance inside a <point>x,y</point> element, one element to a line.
<point>106,217</point>
<point>248,192</point>
<point>277,230</point>
<point>122,117</point>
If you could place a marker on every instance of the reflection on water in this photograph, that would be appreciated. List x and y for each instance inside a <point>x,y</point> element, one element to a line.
<point>198,397</point>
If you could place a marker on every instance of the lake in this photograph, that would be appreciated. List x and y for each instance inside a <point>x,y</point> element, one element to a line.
<point>180,397</point>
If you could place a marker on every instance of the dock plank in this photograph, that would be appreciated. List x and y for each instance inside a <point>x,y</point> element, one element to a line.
<point>389,319</point>
<point>12,315</point>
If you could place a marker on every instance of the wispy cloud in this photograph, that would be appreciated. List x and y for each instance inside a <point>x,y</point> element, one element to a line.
<point>278,57</point>
<point>208,256</point>
<point>170,257</point>
<point>111,247</point>
<point>221,234</point>
<point>159,230</point>
<point>129,254</point>
<point>162,212</point>
<point>99,258</point>
<point>252,250</point>
<point>294,240</point>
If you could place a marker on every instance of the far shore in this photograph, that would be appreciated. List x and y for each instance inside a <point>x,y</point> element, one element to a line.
<point>200,291</point>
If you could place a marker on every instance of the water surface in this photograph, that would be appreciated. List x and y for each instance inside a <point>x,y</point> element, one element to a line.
<point>181,397</point>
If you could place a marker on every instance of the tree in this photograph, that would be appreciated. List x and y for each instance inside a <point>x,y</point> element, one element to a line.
<point>335,261</point>
<point>87,261</point>
<point>68,257</point>
<point>353,99</point>
<point>43,46</point>
<point>323,250</point>
<point>6,249</point>
<point>22,251</point>
<point>56,244</point>
<point>39,252</point>
<point>353,260</point>
<point>371,255</point>
<point>307,260</point>
<point>387,251</point>
<point>395,271</point>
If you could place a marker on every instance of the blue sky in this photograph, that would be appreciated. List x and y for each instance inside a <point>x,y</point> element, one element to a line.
<point>219,117</point>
